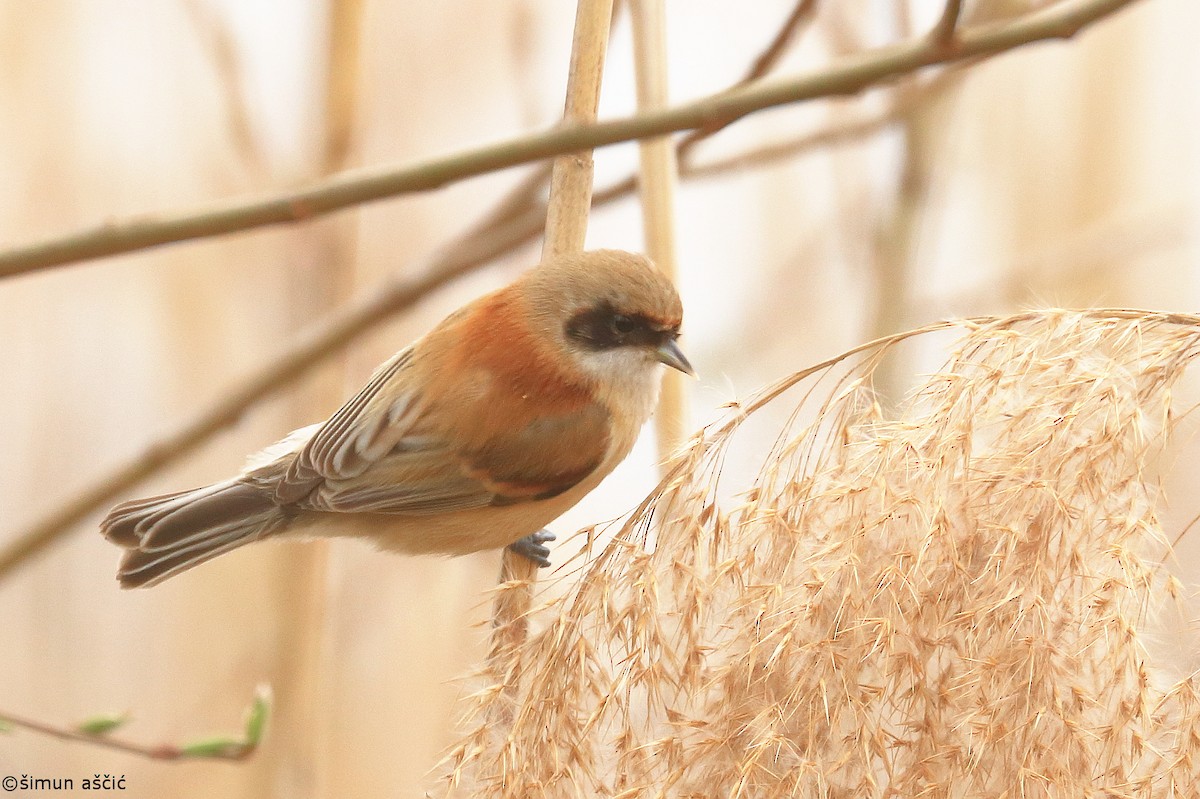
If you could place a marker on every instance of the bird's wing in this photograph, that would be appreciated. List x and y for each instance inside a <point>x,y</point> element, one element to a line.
<point>356,436</point>
<point>533,460</point>
<point>372,457</point>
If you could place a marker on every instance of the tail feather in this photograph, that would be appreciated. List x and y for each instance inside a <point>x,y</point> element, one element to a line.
<point>167,534</point>
<point>121,523</point>
<point>141,569</point>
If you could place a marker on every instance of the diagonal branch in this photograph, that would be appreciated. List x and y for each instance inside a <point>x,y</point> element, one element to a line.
<point>848,75</point>
<point>153,752</point>
<point>943,32</point>
<point>802,14</point>
<point>844,132</point>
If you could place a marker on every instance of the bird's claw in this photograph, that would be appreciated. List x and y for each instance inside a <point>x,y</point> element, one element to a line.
<point>533,547</point>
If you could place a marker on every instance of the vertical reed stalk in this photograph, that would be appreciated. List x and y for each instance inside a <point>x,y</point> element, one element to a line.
<point>566,227</point>
<point>658,173</point>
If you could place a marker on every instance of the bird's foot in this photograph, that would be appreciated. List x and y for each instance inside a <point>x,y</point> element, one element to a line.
<point>534,547</point>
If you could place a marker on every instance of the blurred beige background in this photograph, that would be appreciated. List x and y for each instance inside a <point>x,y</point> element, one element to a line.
<point>1065,173</point>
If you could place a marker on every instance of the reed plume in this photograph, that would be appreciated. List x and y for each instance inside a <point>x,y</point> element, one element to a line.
<point>947,600</point>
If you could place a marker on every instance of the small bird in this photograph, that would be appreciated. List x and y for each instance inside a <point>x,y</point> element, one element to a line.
<point>475,437</point>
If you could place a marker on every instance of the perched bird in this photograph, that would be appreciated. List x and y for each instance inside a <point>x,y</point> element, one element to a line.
<point>475,437</point>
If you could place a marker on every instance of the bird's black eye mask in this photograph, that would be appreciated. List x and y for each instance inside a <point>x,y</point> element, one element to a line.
<point>606,328</point>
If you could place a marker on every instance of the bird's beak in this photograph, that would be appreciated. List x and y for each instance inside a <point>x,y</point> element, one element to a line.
<point>669,353</point>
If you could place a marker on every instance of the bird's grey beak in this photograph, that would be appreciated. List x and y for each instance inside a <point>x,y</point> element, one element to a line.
<point>669,353</point>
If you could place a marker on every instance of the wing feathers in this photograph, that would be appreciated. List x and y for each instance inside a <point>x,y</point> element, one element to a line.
<point>335,450</point>
<point>414,500</point>
<point>390,450</point>
<point>421,475</point>
<point>386,434</point>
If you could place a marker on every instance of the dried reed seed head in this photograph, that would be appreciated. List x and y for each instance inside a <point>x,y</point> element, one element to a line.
<point>942,603</point>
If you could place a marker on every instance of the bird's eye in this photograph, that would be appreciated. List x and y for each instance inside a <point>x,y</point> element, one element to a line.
<point>622,325</point>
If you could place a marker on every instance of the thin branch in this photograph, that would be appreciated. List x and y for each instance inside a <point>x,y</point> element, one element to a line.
<point>215,748</point>
<point>943,32</point>
<point>153,752</point>
<point>849,75</point>
<point>841,133</point>
<point>219,41</point>
<point>802,14</point>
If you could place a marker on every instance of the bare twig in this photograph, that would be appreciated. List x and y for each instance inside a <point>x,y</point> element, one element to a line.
<point>843,132</point>
<point>943,31</point>
<point>801,14</point>
<point>218,39</point>
<point>848,75</point>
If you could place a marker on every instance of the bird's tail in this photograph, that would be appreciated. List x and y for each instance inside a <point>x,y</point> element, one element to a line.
<point>167,534</point>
